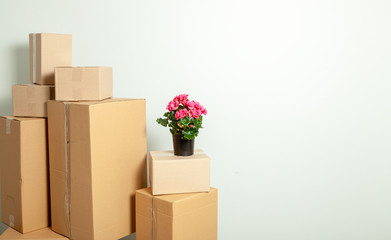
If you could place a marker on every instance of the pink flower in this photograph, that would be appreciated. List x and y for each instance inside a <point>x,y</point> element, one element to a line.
<point>191,126</point>
<point>204,111</point>
<point>172,105</point>
<point>181,113</point>
<point>197,105</point>
<point>189,104</point>
<point>181,98</point>
<point>195,113</point>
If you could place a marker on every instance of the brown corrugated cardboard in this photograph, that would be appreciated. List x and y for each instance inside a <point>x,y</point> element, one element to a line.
<point>187,216</point>
<point>43,234</point>
<point>171,174</point>
<point>83,83</point>
<point>47,51</point>
<point>24,173</point>
<point>97,161</point>
<point>29,100</point>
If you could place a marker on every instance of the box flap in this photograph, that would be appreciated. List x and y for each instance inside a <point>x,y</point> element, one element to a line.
<point>162,202</point>
<point>43,234</point>
<point>109,100</point>
<point>21,119</point>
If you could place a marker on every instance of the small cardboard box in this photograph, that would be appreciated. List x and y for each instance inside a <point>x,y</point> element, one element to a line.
<point>187,216</point>
<point>83,83</point>
<point>43,234</point>
<point>29,100</point>
<point>47,51</point>
<point>97,155</point>
<point>24,173</point>
<point>171,174</point>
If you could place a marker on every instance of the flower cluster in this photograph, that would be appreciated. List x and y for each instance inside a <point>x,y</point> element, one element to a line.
<point>192,109</point>
<point>184,116</point>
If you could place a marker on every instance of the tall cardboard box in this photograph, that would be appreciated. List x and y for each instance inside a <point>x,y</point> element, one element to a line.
<point>187,216</point>
<point>171,174</point>
<point>83,83</point>
<point>42,234</point>
<point>29,100</point>
<point>24,173</point>
<point>47,51</point>
<point>97,155</point>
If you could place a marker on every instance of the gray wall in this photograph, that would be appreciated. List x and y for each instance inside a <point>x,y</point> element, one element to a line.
<point>298,95</point>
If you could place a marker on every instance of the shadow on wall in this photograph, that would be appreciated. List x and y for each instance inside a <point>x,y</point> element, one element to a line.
<point>22,66</point>
<point>19,75</point>
<point>6,106</point>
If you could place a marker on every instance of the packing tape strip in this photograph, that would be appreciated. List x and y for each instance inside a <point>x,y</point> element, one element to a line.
<point>67,180</point>
<point>154,220</point>
<point>34,57</point>
<point>12,220</point>
<point>8,125</point>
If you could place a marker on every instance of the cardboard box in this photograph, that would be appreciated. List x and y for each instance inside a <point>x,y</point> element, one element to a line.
<point>83,83</point>
<point>24,173</point>
<point>43,234</point>
<point>97,155</point>
<point>47,51</point>
<point>188,216</point>
<point>171,174</point>
<point>29,100</point>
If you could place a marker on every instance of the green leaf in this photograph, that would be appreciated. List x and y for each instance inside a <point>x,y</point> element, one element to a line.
<point>172,116</point>
<point>162,121</point>
<point>190,134</point>
<point>185,121</point>
<point>167,114</point>
<point>174,125</point>
<point>198,123</point>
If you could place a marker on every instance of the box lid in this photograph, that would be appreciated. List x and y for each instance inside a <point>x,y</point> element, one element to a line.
<point>34,85</point>
<point>169,155</point>
<point>84,67</point>
<point>60,34</point>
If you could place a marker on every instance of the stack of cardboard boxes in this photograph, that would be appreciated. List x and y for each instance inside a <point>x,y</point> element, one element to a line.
<point>72,157</point>
<point>68,131</point>
<point>180,205</point>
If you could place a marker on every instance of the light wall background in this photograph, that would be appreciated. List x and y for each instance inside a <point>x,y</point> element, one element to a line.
<point>298,94</point>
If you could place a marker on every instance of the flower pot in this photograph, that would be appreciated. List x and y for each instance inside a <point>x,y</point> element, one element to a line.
<point>182,147</point>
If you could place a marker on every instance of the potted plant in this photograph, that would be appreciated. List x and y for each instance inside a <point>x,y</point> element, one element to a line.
<point>184,118</point>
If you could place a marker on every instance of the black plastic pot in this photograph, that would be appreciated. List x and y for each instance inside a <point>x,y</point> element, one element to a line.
<point>182,147</point>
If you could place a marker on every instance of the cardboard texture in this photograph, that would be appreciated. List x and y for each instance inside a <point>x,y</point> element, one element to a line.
<point>83,83</point>
<point>24,173</point>
<point>43,234</point>
<point>29,100</point>
<point>47,51</point>
<point>188,216</point>
<point>97,161</point>
<point>171,174</point>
